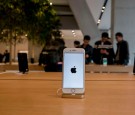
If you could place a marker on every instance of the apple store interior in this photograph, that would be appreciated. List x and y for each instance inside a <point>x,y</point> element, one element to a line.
<point>61,57</point>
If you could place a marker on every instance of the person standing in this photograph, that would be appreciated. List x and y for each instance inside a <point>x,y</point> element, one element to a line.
<point>103,49</point>
<point>122,52</point>
<point>6,56</point>
<point>53,55</point>
<point>88,49</point>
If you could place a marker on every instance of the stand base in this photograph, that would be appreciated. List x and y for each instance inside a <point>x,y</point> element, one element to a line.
<point>75,96</point>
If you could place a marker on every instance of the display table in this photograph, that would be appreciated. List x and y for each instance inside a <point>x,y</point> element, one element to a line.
<point>108,69</point>
<point>35,94</point>
<point>90,68</point>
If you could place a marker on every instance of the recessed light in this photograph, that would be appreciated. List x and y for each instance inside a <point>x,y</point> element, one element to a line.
<point>102,10</point>
<point>103,7</point>
<point>99,21</point>
<point>73,31</point>
<point>51,3</point>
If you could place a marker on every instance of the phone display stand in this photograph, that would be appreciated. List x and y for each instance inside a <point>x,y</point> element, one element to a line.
<point>75,96</point>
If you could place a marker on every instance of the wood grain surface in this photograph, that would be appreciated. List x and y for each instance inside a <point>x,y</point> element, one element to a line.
<point>35,93</point>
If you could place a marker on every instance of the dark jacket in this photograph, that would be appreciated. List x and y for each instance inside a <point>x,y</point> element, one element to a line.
<point>123,52</point>
<point>88,50</point>
<point>98,56</point>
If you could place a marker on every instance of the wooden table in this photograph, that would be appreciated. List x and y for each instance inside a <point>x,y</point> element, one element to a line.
<point>35,94</point>
<point>108,69</point>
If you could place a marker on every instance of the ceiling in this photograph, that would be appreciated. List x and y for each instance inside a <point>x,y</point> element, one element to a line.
<point>95,6</point>
<point>76,34</point>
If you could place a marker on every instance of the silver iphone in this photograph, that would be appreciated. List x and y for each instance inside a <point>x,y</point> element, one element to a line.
<point>73,71</point>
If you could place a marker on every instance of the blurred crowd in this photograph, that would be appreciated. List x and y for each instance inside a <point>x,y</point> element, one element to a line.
<point>52,54</point>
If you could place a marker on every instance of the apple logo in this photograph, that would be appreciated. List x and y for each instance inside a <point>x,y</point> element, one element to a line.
<point>73,70</point>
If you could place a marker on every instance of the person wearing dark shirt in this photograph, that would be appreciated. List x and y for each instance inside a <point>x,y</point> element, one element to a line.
<point>6,56</point>
<point>103,49</point>
<point>53,55</point>
<point>122,52</point>
<point>88,49</point>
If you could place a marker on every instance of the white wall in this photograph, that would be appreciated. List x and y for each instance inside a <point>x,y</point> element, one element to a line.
<point>124,21</point>
<point>3,47</point>
<point>70,42</point>
<point>19,47</point>
<point>25,46</point>
<point>34,51</point>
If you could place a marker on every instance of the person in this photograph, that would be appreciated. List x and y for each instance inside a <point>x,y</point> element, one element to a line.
<point>77,44</point>
<point>103,49</point>
<point>88,49</point>
<point>6,56</point>
<point>62,46</point>
<point>53,55</point>
<point>1,58</point>
<point>122,52</point>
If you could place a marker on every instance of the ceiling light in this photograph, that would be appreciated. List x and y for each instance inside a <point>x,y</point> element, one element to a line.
<point>99,21</point>
<point>102,10</point>
<point>51,3</point>
<point>103,7</point>
<point>73,31</point>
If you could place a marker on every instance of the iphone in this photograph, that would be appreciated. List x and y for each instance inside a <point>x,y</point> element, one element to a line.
<point>73,71</point>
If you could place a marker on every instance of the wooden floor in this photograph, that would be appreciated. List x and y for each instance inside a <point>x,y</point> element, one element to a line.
<point>35,94</point>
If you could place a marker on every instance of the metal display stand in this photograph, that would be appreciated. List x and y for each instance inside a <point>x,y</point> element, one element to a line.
<point>75,96</point>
